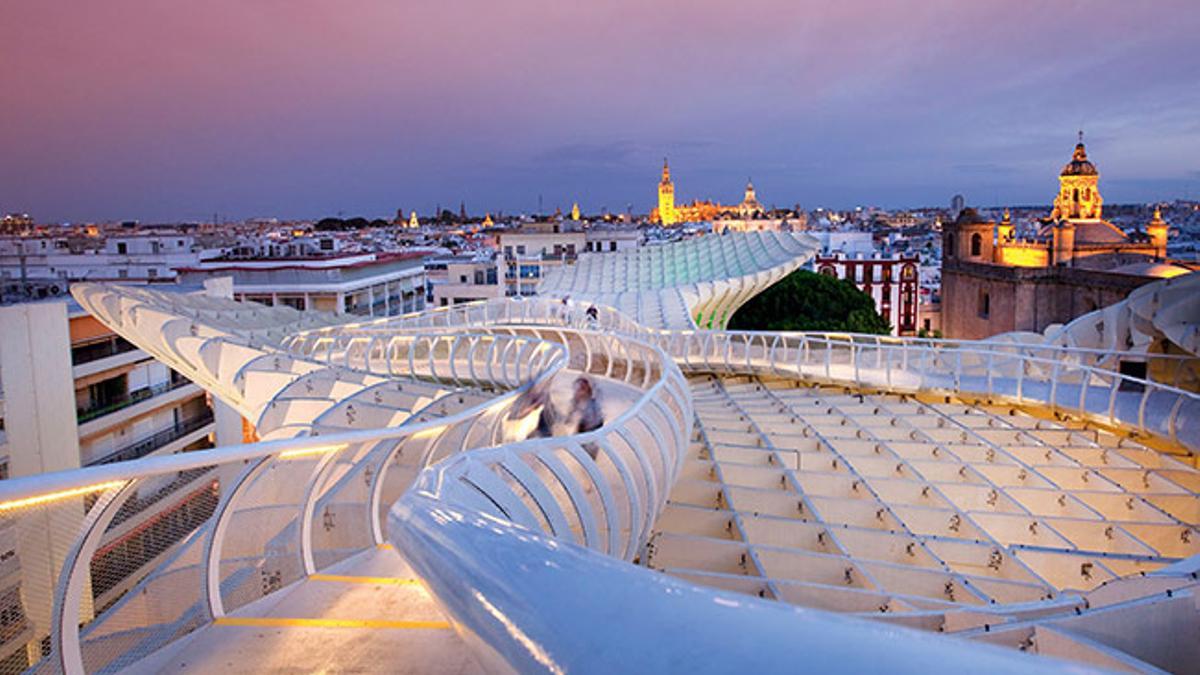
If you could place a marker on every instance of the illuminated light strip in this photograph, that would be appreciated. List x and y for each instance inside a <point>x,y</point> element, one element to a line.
<point>349,579</point>
<point>308,452</point>
<point>386,547</point>
<point>267,622</point>
<point>55,496</point>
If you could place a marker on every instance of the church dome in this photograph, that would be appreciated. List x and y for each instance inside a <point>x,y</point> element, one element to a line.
<point>1079,164</point>
<point>969,216</point>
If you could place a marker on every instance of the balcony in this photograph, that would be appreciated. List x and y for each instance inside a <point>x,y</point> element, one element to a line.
<point>145,446</point>
<point>100,350</point>
<point>94,411</point>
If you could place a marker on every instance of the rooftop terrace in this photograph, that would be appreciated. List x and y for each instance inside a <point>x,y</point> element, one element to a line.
<point>746,492</point>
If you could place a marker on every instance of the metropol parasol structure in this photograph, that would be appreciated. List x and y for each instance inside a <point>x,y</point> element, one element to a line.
<point>753,500</point>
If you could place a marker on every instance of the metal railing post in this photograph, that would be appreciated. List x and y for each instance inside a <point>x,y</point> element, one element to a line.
<point>73,578</point>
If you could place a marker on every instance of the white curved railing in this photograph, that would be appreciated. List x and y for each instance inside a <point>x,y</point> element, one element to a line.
<point>289,507</point>
<point>1176,370</point>
<point>535,605</point>
<point>493,360</point>
<point>1094,393</point>
<point>1066,379</point>
<point>271,526</point>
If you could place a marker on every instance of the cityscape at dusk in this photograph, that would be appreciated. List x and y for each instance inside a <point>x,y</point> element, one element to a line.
<point>558,337</point>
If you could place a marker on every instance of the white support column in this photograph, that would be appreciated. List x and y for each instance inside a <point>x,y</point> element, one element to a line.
<point>226,420</point>
<point>43,436</point>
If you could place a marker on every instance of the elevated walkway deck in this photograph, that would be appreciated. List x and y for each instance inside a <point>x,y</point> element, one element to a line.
<point>367,614</point>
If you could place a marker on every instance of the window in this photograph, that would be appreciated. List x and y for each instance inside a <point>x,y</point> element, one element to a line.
<point>976,244</point>
<point>521,249</point>
<point>122,274</point>
<point>985,305</point>
<point>949,245</point>
<point>462,278</point>
<point>122,248</point>
<point>612,245</point>
<point>928,324</point>
<point>151,273</point>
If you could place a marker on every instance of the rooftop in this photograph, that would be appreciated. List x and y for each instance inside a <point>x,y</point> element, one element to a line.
<point>743,490</point>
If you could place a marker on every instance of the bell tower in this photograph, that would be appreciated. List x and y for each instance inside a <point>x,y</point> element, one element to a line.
<point>666,197</point>
<point>1078,188</point>
<point>1157,228</point>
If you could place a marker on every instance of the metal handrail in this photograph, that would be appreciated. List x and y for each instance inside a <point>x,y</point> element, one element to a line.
<point>894,355</point>
<point>602,489</point>
<point>644,445</point>
<point>963,372</point>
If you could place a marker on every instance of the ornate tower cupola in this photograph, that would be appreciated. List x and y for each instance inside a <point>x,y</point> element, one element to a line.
<point>1078,192</point>
<point>666,197</point>
<point>749,208</point>
<point>1157,228</point>
<point>1004,229</point>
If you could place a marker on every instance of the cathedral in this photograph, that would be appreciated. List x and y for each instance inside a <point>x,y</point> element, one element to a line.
<point>994,281</point>
<point>667,213</point>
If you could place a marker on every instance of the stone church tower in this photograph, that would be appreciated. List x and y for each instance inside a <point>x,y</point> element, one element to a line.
<point>666,197</point>
<point>1078,188</point>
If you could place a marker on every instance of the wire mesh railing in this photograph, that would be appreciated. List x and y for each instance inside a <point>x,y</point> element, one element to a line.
<point>1147,406</point>
<point>251,520</point>
<point>1074,380</point>
<point>151,549</point>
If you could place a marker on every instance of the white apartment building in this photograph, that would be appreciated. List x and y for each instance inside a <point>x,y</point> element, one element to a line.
<point>452,280</point>
<point>73,394</point>
<point>369,284</point>
<point>532,251</point>
<point>33,267</point>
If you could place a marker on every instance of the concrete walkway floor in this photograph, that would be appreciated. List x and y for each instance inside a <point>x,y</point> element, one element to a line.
<point>367,614</point>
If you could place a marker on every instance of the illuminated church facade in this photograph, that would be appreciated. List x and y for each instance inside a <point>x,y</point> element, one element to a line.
<point>994,281</point>
<point>739,217</point>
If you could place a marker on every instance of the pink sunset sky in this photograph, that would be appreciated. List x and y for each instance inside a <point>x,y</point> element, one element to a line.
<point>152,110</point>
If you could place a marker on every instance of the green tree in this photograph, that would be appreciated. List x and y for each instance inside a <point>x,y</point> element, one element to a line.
<point>807,301</point>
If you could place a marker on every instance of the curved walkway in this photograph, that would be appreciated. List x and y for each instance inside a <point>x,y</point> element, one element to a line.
<point>514,539</point>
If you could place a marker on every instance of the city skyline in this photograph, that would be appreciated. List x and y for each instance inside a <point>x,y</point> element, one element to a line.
<point>136,111</point>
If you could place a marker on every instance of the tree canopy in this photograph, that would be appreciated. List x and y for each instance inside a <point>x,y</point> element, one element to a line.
<point>808,301</point>
<point>341,225</point>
